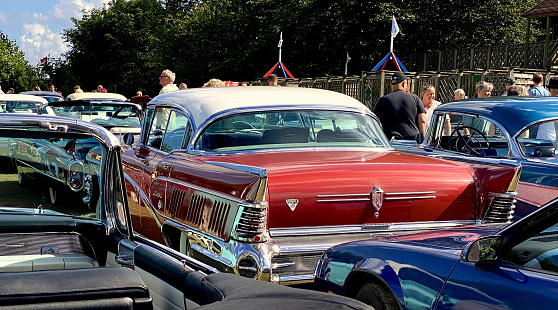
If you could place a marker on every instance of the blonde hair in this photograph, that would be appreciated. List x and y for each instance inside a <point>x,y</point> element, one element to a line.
<point>214,83</point>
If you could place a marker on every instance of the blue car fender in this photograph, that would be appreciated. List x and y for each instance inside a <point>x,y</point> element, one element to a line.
<point>373,270</point>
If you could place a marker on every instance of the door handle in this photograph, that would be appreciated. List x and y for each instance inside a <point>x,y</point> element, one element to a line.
<point>125,260</point>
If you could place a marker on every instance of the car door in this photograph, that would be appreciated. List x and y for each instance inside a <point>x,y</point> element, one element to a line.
<point>524,277</point>
<point>163,270</point>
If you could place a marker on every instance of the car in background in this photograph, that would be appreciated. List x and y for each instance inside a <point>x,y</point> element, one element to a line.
<point>72,258</point>
<point>475,267</point>
<point>64,166</point>
<point>20,104</point>
<point>50,96</point>
<point>516,128</point>
<point>259,181</point>
<point>95,96</point>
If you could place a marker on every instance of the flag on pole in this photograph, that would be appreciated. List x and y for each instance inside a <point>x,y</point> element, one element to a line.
<point>43,60</point>
<point>394,27</point>
<point>280,40</point>
<point>347,62</point>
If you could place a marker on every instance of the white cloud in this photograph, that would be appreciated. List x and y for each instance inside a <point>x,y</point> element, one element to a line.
<point>38,41</point>
<point>41,33</point>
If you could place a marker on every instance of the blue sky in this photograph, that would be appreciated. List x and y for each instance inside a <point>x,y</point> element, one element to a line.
<point>36,25</point>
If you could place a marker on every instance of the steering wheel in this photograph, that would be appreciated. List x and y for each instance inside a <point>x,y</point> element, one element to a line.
<point>464,143</point>
<point>242,125</point>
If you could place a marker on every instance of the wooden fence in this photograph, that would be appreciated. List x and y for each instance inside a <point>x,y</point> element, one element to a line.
<point>539,55</point>
<point>370,86</point>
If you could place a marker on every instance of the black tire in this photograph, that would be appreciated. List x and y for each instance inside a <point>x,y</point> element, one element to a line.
<point>377,296</point>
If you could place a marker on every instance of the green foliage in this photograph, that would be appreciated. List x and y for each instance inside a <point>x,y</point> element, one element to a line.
<point>15,72</point>
<point>126,44</point>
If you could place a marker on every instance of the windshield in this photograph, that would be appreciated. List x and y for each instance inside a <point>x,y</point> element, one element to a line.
<point>22,107</point>
<point>539,140</point>
<point>293,129</point>
<point>60,173</point>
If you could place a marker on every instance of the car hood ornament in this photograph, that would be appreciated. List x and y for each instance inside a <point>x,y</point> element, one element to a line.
<point>377,199</point>
<point>292,203</point>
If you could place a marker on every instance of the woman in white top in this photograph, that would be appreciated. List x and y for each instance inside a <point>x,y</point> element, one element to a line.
<point>428,96</point>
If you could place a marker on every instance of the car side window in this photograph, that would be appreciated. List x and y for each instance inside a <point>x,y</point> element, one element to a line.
<point>175,132</point>
<point>539,140</point>
<point>539,251</point>
<point>469,135</point>
<point>158,127</point>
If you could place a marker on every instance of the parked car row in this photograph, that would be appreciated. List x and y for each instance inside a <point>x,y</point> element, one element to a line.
<point>261,181</point>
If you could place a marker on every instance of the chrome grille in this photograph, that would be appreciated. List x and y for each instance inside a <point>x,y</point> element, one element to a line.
<point>251,225</point>
<point>195,210</point>
<point>501,207</point>
<point>218,218</point>
<point>177,198</point>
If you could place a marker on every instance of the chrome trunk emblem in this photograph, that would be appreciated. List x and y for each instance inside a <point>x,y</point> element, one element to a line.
<point>292,203</point>
<point>377,199</point>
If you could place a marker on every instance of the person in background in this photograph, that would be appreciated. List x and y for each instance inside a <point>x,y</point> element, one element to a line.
<point>459,94</point>
<point>484,89</point>
<point>139,93</point>
<point>1,92</point>
<point>243,84</point>
<point>182,86</point>
<point>10,91</point>
<point>166,79</point>
<point>510,81</point>
<point>538,89</point>
<point>428,96</point>
<point>547,130</point>
<point>516,90</point>
<point>272,80</point>
<point>51,87</point>
<point>214,83</point>
<point>36,88</point>
<point>402,114</point>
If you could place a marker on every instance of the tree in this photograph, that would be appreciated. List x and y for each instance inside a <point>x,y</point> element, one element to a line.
<point>15,71</point>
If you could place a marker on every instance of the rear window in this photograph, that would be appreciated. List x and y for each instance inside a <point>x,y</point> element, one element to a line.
<point>292,129</point>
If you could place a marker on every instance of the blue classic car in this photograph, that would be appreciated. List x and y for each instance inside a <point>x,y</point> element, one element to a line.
<point>472,267</point>
<point>50,259</point>
<point>519,128</point>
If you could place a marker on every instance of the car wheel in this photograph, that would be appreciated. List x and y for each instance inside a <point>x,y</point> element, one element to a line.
<point>377,296</point>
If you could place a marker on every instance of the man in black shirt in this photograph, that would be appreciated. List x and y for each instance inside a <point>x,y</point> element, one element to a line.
<point>402,114</point>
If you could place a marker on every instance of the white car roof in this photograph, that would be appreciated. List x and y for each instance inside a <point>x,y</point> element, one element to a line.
<point>19,97</point>
<point>203,103</point>
<point>95,96</point>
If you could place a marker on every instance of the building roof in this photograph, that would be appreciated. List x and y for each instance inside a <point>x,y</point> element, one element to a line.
<point>543,9</point>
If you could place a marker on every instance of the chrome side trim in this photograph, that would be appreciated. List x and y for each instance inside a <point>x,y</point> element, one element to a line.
<point>291,280</point>
<point>367,197</point>
<point>367,228</point>
<point>410,198</point>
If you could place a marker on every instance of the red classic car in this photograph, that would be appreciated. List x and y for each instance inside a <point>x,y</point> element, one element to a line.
<point>259,181</point>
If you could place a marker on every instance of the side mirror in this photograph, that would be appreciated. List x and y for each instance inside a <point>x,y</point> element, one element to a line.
<point>483,250</point>
<point>128,138</point>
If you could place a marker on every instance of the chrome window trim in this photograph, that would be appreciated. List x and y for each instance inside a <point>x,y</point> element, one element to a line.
<point>368,228</point>
<point>215,117</point>
<point>512,142</point>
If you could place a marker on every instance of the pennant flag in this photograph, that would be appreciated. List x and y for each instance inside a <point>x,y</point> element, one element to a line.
<point>394,27</point>
<point>348,58</point>
<point>43,60</point>
<point>280,40</point>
